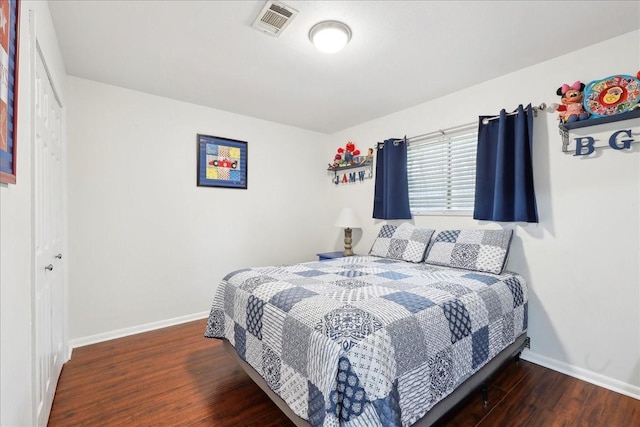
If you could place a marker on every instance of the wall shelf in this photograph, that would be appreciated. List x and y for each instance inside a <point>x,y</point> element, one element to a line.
<point>360,165</point>
<point>365,165</point>
<point>566,127</point>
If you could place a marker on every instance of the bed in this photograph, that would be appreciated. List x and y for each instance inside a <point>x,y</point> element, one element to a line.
<point>377,339</point>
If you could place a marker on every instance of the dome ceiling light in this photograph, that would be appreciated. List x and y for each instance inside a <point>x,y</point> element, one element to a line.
<point>330,36</point>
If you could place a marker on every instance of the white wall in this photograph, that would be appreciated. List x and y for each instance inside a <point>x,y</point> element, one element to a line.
<point>145,240</point>
<point>581,260</point>
<point>147,244</point>
<point>15,231</point>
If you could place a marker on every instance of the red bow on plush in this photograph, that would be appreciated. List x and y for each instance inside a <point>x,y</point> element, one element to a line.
<point>566,87</point>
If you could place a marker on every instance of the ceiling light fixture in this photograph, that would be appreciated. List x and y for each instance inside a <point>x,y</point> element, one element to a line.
<point>330,36</point>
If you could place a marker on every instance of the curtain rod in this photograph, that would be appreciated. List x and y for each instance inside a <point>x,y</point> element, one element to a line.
<point>469,126</point>
<point>459,128</point>
<point>442,132</point>
<point>535,109</point>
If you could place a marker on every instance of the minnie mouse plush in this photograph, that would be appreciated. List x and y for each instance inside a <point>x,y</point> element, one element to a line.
<point>571,109</point>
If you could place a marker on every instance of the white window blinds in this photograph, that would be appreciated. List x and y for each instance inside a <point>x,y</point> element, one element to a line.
<point>442,172</point>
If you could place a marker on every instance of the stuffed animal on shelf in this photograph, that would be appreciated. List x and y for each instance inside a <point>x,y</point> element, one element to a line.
<point>369,157</point>
<point>345,156</point>
<point>337,161</point>
<point>349,152</point>
<point>571,109</point>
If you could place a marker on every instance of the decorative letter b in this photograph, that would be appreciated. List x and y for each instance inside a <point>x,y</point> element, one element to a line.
<point>580,146</point>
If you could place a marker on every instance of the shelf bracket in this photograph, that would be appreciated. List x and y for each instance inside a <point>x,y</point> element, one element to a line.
<point>565,139</point>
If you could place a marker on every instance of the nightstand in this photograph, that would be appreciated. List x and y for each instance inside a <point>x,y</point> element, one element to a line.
<point>329,255</point>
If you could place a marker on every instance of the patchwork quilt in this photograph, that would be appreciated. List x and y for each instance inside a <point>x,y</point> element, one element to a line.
<point>364,340</point>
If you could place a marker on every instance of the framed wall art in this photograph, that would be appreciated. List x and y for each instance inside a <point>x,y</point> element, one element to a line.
<point>9,35</point>
<point>222,162</point>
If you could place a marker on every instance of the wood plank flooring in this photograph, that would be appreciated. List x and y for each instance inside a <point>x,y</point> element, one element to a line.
<point>176,377</point>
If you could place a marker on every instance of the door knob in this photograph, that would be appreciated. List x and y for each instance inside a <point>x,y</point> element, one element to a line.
<point>59,256</point>
<point>49,267</point>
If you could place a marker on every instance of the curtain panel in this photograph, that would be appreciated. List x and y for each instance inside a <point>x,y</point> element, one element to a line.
<point>391,196</point>
<point>504,168</point>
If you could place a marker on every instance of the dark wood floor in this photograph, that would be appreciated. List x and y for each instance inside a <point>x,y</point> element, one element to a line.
<point>175,377</point>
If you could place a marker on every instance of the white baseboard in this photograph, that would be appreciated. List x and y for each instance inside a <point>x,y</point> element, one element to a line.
<point>583,374</point>
<point>119,333</point>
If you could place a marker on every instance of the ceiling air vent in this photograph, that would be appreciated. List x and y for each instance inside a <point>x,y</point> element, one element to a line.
<point>274,18</point>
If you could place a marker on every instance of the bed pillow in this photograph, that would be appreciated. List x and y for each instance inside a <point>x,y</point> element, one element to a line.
<point>404,242</point>
<point>479,250</point>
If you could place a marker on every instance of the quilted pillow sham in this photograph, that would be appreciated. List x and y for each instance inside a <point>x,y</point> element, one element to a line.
<point>479,250</point>
<point>404,242</point>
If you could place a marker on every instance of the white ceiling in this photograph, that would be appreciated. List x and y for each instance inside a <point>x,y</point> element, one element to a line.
<point>402,53</point>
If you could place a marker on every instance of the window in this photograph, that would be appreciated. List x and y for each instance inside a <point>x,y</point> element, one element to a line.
<point>442,172</point>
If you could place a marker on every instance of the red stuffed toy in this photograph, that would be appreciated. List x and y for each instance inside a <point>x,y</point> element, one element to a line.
<point>345,155</point>
<point>350,151</point>
<point>571,109</point>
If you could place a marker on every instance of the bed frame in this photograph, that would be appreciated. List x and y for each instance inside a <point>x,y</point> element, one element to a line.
<point>467,387</point>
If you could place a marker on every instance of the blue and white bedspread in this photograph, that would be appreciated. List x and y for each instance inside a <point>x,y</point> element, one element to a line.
<point>367,341</point>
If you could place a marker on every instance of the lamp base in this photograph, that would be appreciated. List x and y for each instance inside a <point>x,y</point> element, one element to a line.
<point>347,242</point>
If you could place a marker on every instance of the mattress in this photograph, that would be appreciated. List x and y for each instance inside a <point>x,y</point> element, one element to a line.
<point>365,341</point>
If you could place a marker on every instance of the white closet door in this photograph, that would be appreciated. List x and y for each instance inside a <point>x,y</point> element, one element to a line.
<point>49,305</point>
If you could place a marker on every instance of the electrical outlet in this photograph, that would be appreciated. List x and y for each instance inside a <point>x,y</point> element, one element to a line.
<point>527,342</point>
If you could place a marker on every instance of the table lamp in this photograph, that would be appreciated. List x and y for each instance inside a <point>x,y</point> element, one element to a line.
<point>347,220</point>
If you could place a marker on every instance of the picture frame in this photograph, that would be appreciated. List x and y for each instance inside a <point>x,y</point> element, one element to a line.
<point>9,54</point>
<point>222,162</point>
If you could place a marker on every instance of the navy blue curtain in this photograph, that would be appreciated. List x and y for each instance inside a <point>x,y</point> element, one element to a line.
<point>504,168</point>
<point>391,197</point>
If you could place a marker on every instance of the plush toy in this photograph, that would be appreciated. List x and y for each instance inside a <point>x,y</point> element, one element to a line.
<point>369,157</point>
<point>337,160</point>
<point>350,151</point>
<point>345,156</point>
<point>571,109</point>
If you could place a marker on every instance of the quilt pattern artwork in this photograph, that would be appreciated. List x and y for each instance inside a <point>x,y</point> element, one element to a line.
<point>222,162</point>
<point>364,340</point>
